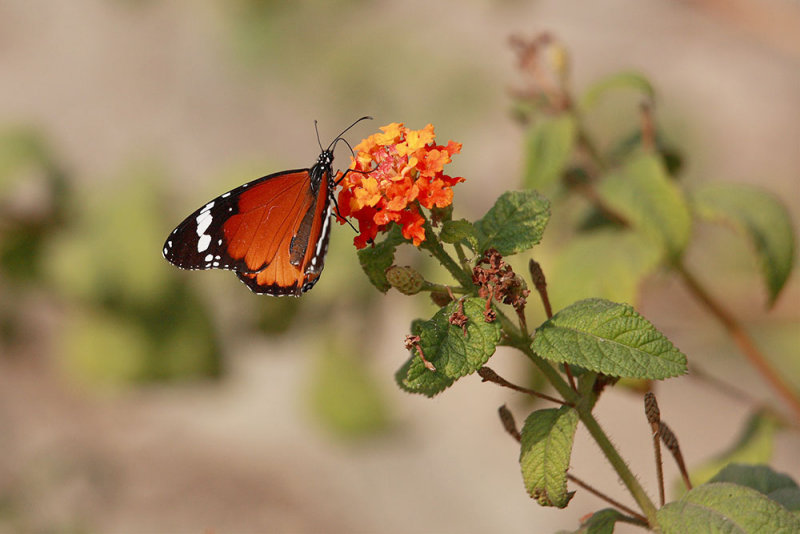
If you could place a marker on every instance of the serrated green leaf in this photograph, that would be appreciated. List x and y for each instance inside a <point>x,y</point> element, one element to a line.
<point>723,507</point>
<point>414,377</point>
<point>453,353</point>
<point>754,446</point>
<point>548,145</point>
<point>545,450</point>
<point>652,203</point>
<point>457,231</point>
<point>608,263</point>
<point>619,80</point>
<point>608,338</point>
<point>515,223</point>
<point>763,220</point>
<point>379,257</point>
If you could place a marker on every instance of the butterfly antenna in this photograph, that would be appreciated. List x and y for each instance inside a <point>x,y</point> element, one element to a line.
<point>316,129</point>
<point>348,128</point>
<point>352,152</point>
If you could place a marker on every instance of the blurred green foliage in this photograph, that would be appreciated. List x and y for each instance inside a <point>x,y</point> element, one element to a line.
<point>34,203</point>
<point>344,396</point>
<point>96,254</point>
<point>131,317</point>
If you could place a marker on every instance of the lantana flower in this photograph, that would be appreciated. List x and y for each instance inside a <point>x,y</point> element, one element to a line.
<point>394,174</point>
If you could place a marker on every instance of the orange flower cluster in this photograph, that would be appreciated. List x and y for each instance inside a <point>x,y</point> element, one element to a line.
<point>394,173</point>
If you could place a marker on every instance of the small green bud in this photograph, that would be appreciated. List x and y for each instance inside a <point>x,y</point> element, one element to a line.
<point>404,279</point>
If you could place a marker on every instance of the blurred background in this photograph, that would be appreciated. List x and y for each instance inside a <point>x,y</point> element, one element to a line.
<point>135,397</point>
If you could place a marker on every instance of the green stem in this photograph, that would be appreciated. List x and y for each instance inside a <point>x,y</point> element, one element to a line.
<point>432,245</point>
<point>462,257</point>
<point>619,465</point>
<point>429,286</point>
<point>551,374</point>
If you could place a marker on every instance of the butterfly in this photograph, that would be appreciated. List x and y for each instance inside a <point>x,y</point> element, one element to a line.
<point>272,232</point>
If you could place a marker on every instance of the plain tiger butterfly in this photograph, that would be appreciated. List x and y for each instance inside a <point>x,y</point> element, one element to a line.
<point>272,232</point>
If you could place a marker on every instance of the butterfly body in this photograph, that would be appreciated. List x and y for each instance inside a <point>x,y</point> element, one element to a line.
<point>273,232</point>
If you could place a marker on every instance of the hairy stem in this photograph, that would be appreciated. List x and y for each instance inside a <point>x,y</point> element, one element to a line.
<point>639,519</point>
<point>432,245</point>
<point>619,465</point>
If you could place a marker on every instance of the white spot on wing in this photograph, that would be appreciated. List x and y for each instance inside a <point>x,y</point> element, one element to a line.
<point>209,257</point>
<point>203,222</point>
<point>203,242</point>
<point>226,195</point>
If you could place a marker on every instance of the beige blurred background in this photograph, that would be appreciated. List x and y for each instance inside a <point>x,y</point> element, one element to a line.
<point>191,98</point>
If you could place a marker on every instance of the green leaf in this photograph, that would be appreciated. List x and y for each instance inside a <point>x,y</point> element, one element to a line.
<point>607,263</point>
<point>652,203</point>
<point>601,522</point>
<point>453,353</point>
<point>619,80</point>
<point>379,257</point>
<point>727,508</point>
<point>457,231</point>
<point>762,218</point>
<point>414,377</point>
<point>515,223</point>
<point>546,447</point>
<point>548,146</point>
<point>759,477</point>
<point>754,446</point>
<point>608,338</point>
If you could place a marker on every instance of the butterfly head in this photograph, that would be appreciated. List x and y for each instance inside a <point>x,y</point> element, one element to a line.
<point>325,158</point>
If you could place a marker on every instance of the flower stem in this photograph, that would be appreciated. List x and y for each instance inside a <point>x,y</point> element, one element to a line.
<point>551,374</point>
<point>619,465</point>
<point>432,245</point>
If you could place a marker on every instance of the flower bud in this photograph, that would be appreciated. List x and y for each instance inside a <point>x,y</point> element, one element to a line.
<point>404,279</point>
<point>441,298</point>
